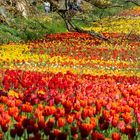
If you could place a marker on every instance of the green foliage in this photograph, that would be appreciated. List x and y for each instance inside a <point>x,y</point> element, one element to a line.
<point>8,34</point>
<point>22,30</point>
<point>102,13</point>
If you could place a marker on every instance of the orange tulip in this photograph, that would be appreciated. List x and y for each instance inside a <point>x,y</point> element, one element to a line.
<point>1,108</point>
<point>4,99</point>
<point>77,115</point>
<point>18,103</point>
<point>83,103</point>
<point>70,119</point>
<point>27,107</point>
<point>49,110</point>
<point>10,103</point>
<point>13,111</point>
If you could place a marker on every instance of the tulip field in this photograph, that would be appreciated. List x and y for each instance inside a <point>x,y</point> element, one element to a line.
<point>72,86</point>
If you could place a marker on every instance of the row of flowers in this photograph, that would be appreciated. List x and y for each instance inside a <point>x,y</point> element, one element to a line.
<point>88,47</point>
<point>81,55</point>
<point>134,12</point>
<point>125,22</point>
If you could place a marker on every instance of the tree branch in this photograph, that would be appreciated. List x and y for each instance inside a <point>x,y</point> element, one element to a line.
<point>95,34</point>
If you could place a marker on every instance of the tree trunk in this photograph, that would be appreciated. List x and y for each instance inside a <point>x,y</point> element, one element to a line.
<point>67,19</point>
<point>23,6</point>
<point>3,15</point>
<point>72,28</point>
<point>69,25</point>
<point>95,34</point>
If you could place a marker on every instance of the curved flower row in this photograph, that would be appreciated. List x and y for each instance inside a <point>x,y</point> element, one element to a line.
<point>125,22</point>
<point>101,58</point>
<point>86,50</point>
<point>117,24</point>
<point>134,12</point>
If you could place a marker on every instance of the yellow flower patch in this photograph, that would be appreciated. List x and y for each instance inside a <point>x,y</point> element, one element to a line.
<point>117,24</point>
<point>13,94</point>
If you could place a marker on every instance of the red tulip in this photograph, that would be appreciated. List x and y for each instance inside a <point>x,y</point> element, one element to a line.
<point>20,131</point>
<point>41,125</point>
<point>98,106</point>
<point>61,122</point>
<point>47,131</point>
<point>4,128</point>
<point>85,129</point>
<point>84,113</point>
<point>68,106</point>
<point>50,123</point>
<point>59,113</point>
<point>62,136</point>
<point>18,103</point>
<point>96,136</point>
<point>49,110</point>
<point>37,136</point>
<point>74,130</point>
<point>56,132</point>
<point>77,107</point>
<point>115,121</point>
<point>104,126</point>
<point>130,131</point>
<point>12,133</point>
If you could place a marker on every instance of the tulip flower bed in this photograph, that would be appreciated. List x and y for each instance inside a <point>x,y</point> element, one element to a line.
<point>71,86</point>
<point>69,106</point>
<point>126,22</point>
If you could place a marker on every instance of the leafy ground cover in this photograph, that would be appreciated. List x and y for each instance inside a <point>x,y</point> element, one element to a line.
<point>72,86</point>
